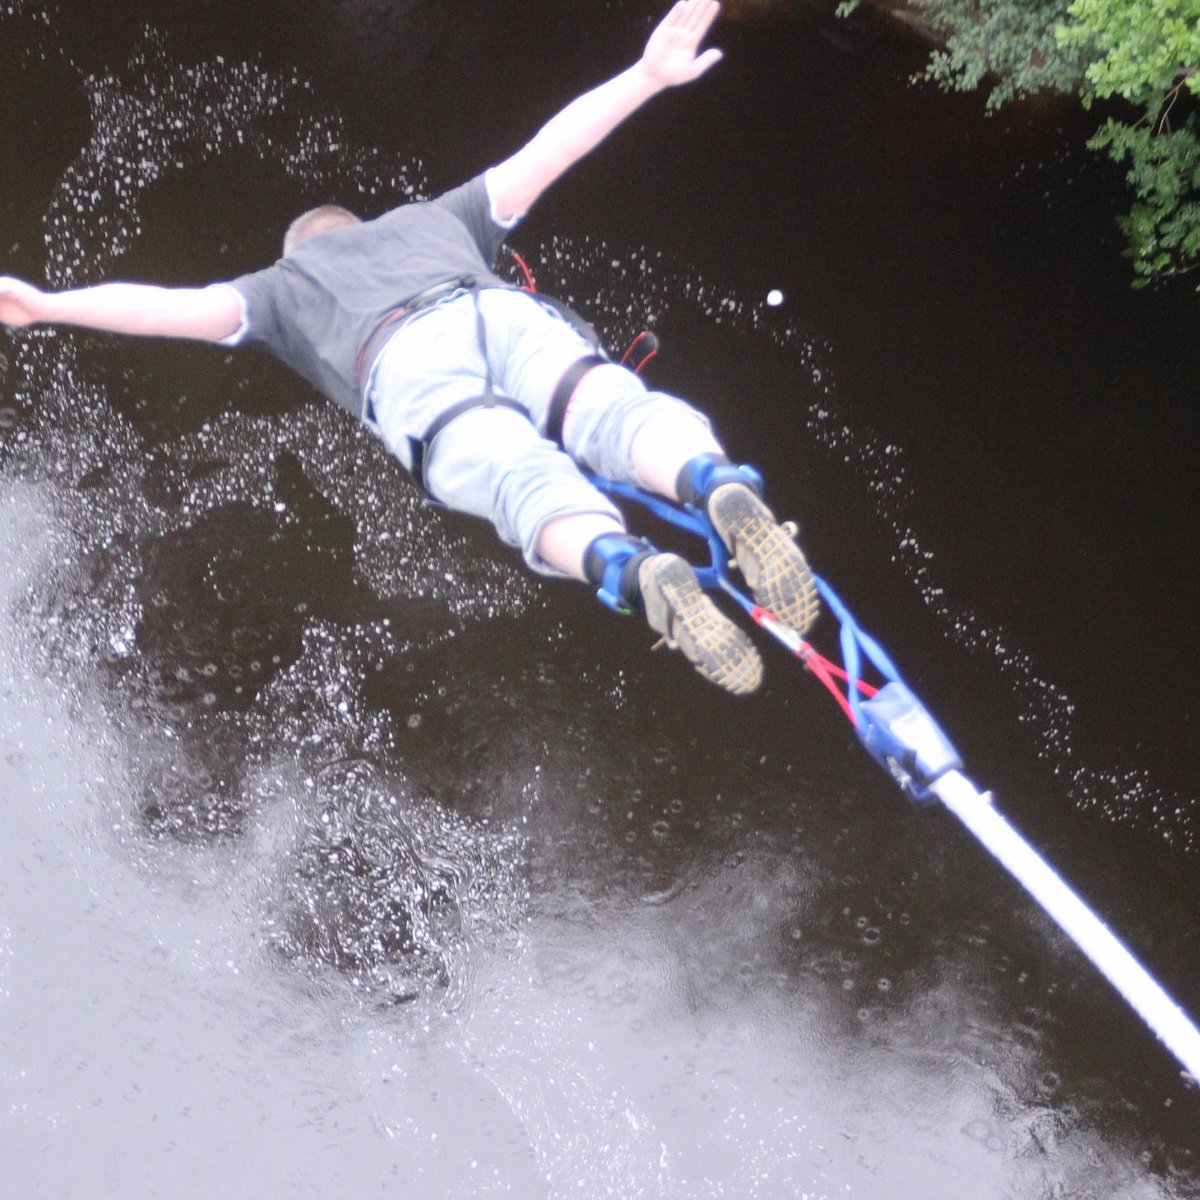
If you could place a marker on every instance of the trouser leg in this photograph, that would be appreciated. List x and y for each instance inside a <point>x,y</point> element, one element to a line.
<point>488,462</point>
<point>492,463</point>
<point>619,429</point>
<point>611,413</point>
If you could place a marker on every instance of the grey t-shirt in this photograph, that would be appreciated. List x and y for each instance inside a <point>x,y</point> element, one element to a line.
<point>315,307</point>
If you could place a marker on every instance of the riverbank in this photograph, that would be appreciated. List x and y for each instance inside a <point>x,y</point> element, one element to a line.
<point>911,17</point>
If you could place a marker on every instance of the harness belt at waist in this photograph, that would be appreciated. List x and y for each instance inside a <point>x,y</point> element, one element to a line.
<point>375,341</point>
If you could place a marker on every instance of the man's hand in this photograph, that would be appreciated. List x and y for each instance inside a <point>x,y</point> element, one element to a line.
<point>20,303</point>
<point>670,56</point>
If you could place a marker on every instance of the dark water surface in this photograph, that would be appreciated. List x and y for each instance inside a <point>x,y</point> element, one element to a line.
<point>342,858</point>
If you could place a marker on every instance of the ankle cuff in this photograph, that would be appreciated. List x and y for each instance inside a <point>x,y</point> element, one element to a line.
<point>699,477</point>
<point>611,563</point>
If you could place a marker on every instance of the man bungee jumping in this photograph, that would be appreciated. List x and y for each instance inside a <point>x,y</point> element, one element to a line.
<point>490,395</point>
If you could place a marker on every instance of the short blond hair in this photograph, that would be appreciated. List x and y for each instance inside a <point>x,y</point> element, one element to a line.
<point>317,220</point>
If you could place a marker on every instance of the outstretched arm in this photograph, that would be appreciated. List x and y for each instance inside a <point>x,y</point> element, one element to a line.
<point>671,57</point>
<point>210,313</point>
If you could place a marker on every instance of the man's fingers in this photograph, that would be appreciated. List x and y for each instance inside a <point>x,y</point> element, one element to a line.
<point>692,16</point>
<point>708,59</point>
<point>698,15</point>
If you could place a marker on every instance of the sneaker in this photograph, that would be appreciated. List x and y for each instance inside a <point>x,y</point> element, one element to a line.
<point>767,556</point>
<point>677,607</point>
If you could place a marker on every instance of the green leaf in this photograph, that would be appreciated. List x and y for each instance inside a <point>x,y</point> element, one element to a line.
<point>1137,49</point>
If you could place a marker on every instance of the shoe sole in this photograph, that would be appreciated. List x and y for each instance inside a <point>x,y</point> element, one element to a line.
<point>678,608</point>
<point>770,561</point>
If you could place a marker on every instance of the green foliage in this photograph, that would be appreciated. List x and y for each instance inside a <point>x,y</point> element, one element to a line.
<point>1136,49</point>
<point>1009,43</point>
<point>1162,229</point>
<point>1145,53</point>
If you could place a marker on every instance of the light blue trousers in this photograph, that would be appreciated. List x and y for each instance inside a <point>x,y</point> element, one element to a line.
<point>494,462</point>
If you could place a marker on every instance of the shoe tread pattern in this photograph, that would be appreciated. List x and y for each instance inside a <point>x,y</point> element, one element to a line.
<point>772,564</point>
<point>677,607</point>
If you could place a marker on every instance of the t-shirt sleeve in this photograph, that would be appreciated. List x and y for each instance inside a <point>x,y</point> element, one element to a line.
<point>472,205</point>
<point>260,320</point>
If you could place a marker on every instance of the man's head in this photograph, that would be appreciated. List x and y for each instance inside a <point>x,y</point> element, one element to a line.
<point>316,220</point>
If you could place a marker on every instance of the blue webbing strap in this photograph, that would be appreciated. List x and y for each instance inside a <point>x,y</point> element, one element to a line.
<point>893,725</point>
